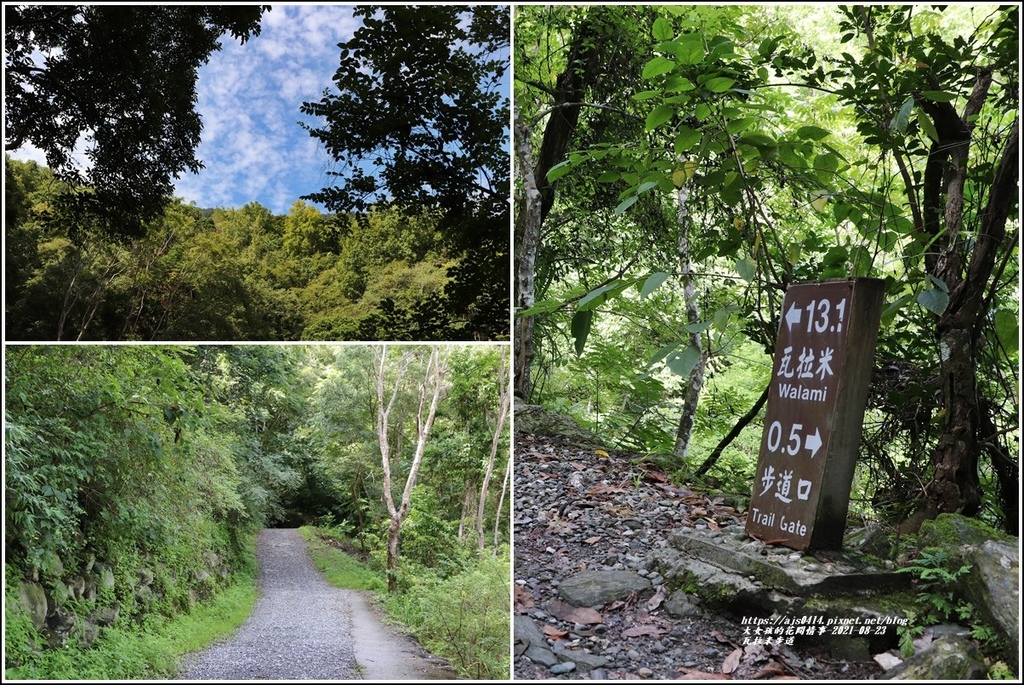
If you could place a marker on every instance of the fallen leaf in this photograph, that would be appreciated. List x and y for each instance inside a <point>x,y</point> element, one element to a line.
<point>659,597</point>
<point>732,661</point>
<point>712,525</point>
<point>699,511</point>
<point>770,671</point>
<point>637,631</point>
<point>592,540</point>
<point>718,635</point>
<point>571,614</point>
<point>554,632</point>
<point>523,599</point>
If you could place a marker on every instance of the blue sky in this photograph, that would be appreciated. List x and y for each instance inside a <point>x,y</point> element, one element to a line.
<point>253,149</point>
<point>249,96</point>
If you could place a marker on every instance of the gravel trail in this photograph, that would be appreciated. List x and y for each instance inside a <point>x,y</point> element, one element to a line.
<point>302,628</point>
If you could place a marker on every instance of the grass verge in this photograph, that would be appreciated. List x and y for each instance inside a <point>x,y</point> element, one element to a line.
<point>151,650</point>
<point>465,618</point>
<point>339,568</point>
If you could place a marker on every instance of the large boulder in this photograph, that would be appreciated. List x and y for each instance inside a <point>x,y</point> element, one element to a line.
<point>536,420</point>
<point>33,601</point>
<point>596,588</point>
<point>948,658</point>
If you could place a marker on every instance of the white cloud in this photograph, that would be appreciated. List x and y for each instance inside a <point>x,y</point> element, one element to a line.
<point>249,98</point>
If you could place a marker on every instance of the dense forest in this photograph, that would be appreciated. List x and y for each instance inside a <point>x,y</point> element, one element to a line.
<point>414,247</point>
<point>679,167</point>
<point>137,476</point>
<point>232,274</point>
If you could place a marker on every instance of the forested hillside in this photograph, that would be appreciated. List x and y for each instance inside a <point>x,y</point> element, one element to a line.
<point>679,167</point>
<point>234,274</point>
<point>137,476</point>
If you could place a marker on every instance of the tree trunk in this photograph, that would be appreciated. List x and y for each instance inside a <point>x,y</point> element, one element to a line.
<point>501,503</point>
<point>430,391</point>
<point>538,195</point>
<point>695,382</point>
<point>955,484</point>
<point>503,401</point>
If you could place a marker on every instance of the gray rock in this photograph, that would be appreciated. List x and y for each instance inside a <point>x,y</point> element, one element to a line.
<point>995,591</point>
<point>33,600</point>
<point>948,658</point>
<point>106,616</point>
<point>596,588</point>
<point>86,632</point>
<point>104,575</point>
<point>145,576</point>
<point>678,604</point>
<point>564,667</point>
<point>77,587</point>
<point>584,661</point>
<point>525,631</point>
<point>530,642</point>
<point>59,625</point>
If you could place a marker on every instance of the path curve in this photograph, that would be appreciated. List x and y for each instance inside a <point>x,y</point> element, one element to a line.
<point>302,628</point>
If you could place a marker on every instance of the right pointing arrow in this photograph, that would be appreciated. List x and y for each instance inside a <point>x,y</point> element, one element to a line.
<point>813,442</point>
<point>792,316</point>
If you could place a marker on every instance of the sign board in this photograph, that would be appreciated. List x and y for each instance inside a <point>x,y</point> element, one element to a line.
<point>824,356</point>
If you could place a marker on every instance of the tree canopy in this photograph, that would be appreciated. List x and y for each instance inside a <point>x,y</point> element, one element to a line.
<point>119,84</point>
<point>730,154</point>
<point>420,122</point>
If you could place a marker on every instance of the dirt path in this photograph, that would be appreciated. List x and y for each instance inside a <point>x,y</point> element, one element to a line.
<point>302,628</point>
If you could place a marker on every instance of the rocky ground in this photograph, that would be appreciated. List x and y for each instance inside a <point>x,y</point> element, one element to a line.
<point>591,510</point>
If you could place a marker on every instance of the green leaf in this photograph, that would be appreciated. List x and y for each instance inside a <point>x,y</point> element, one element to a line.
<point>1007,329</point>
<point>682,362</point>
<point>678,84</point>
<point>590,300</point>
<point>939,283</point>
<point>812,132</point>
<point>662,29</point>
<point>659,116</point>
<point>625,204</point>
<point>698,327</point>
<point>902,118</point>
<point>719,84</point>
<point>652,283</point>
<point>686,139</point>
<point>559,170</point>
<point>580,328</point>
<point>928,128</point>
<point>934,300</point>
<point>657,66</point>
<point>542,307</point>
<point>746,269</point>
<point>939,95</point>
<point>689,49</point>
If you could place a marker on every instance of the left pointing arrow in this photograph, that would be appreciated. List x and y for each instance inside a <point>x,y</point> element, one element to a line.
<point>792,316</point>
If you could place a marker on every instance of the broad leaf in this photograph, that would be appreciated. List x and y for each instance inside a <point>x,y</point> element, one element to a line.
<point>659,116</point>
<point>1007,329</point>
<point>689,49</point>
<point>746,269</point>
<point>662,29</point>
<point>559,170</point>
<point>934,300</point>
<point>657,66</point>
<point>652,282</point>
<point>938,95</point>
<point>682,362</point>
<point>811,132</point>
<point>902,118</point>
<point>580,328</point>
<point>625,204</point>
<point>719,84</point>
<point>686,139</point>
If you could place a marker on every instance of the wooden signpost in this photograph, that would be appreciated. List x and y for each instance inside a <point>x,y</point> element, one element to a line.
<point>824,356</point>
